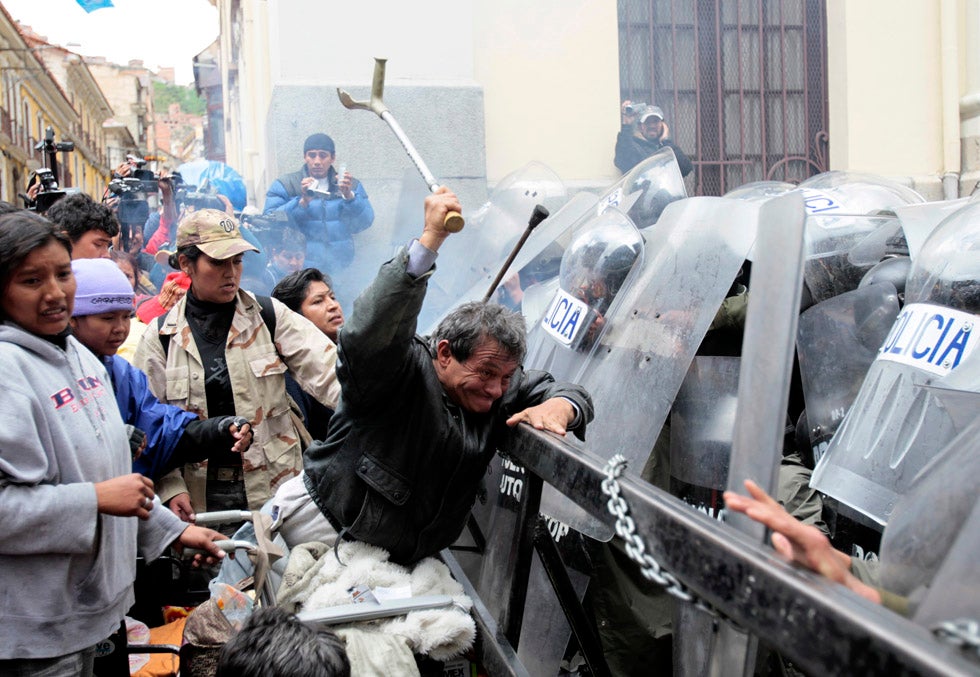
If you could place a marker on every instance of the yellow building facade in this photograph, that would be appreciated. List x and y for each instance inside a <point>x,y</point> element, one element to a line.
<point>46,86</point>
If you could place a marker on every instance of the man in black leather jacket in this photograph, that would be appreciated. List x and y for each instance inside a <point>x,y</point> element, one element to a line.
<point>419,418</point>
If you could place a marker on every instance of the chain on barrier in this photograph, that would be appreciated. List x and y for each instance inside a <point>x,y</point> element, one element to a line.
<point>963,633</point>
<point>635,547</point>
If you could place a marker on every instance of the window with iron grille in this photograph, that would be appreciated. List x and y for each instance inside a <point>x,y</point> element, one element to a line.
<point>742,83</point>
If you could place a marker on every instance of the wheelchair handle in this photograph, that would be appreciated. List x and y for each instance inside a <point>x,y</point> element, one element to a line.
<point>228,546</point>
<point>206,519</point>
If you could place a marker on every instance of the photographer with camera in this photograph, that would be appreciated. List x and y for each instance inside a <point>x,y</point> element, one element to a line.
<point>163,224</point>
<point>132,190</point>
<point>326,205</point>
<point>42,187</point>
<point>643,133</point>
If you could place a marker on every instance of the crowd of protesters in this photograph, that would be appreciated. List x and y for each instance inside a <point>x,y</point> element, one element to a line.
<point>155,379</point>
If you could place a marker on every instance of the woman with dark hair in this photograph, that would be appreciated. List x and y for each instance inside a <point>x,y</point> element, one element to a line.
<point>129,265</point>
<point>220,351</point>
<point>309,292</point>
<point>68,496</point>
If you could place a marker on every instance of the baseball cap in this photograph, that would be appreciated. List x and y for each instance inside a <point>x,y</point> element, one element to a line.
<point>101,287</point>
<point>651,110</point>
<point>214,233</point>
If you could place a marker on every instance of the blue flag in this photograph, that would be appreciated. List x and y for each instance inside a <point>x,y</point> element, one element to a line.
<point>92,5</point>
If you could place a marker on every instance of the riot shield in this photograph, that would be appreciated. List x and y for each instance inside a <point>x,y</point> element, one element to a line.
<point>850,221</point>
<point>837,341</point>
<point>645,191</point>
<point>702,422</point>
<point>597,265</point>
<point>919,220</point>
<point>491,232</point>
<point>893,427</point>
<point>953,594</point>
<point>760,190</point>
<point>536,264</point>
<point>929,551</point>
<point>830,269</point>
<point>599,274</point>
<point>886,241</point>
<point>642,194</point>
<point>651,332</point>
<point>932,511</point>
<point>858,192</point>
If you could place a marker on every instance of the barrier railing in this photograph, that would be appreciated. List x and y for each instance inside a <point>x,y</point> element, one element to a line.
<point>820,626</point>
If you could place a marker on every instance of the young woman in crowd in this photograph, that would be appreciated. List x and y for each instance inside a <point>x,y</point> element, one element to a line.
<point>222,352</point>
<point>137,277</point>
<point>73,511</point>
<point>310,293</point>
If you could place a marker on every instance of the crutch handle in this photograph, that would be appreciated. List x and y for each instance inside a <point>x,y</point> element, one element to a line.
<point>454,222</point>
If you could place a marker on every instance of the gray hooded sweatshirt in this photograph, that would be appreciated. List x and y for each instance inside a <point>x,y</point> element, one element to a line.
<point>66,571</point>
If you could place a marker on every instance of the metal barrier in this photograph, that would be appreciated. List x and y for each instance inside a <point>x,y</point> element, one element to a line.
<point>819,625</point>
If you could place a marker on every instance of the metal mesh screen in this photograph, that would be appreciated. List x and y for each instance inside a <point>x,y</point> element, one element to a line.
<point>742,83</point>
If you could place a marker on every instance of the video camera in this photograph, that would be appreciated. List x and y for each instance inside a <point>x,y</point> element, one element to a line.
<point>633,108</point>
<point>134,193</point>
<point>48,146</point>
<point>203,197</point>
<point>49,192</point>
<point>46,178</point>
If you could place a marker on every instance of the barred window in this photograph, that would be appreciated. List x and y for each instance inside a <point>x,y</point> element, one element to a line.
<point>743,84</point>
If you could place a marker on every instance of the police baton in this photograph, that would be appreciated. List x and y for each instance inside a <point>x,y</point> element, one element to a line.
<point>539,214</point>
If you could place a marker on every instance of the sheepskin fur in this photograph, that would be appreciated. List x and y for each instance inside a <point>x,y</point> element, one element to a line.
<point>315,579</point>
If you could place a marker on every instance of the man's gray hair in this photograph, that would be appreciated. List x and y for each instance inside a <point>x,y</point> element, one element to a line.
<point>470,323</point>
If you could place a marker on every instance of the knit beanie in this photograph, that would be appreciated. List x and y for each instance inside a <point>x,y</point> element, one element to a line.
<point>101,287</point>
<point>318,142</point>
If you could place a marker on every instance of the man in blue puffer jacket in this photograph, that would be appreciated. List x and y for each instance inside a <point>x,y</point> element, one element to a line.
<point>327,206</point>
<point>162,436</point>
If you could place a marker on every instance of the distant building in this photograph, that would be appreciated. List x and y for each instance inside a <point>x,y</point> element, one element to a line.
<point>208,82</point>
<point>179,134</point>
<point>129,89</point>
<point>44,86</point>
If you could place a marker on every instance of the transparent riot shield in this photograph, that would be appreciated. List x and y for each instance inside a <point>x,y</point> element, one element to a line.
<point>599,272</point>
<point>893,427</point>
<point>830,269</point>
<point>953,597</point>
<point>651,332</point>
<point>837,341</point>
<point>760,190</point>
<point>919,220</point>
<point>858,192</point>
<point>932,511</point>
<point>643,193</point>
<point>884,242</point>
<point>536,265</point>
<point>702,422</point>
<point>491,232</point>
<point>597,265</point>
<point>929,550</point>
<point>850,221</point>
